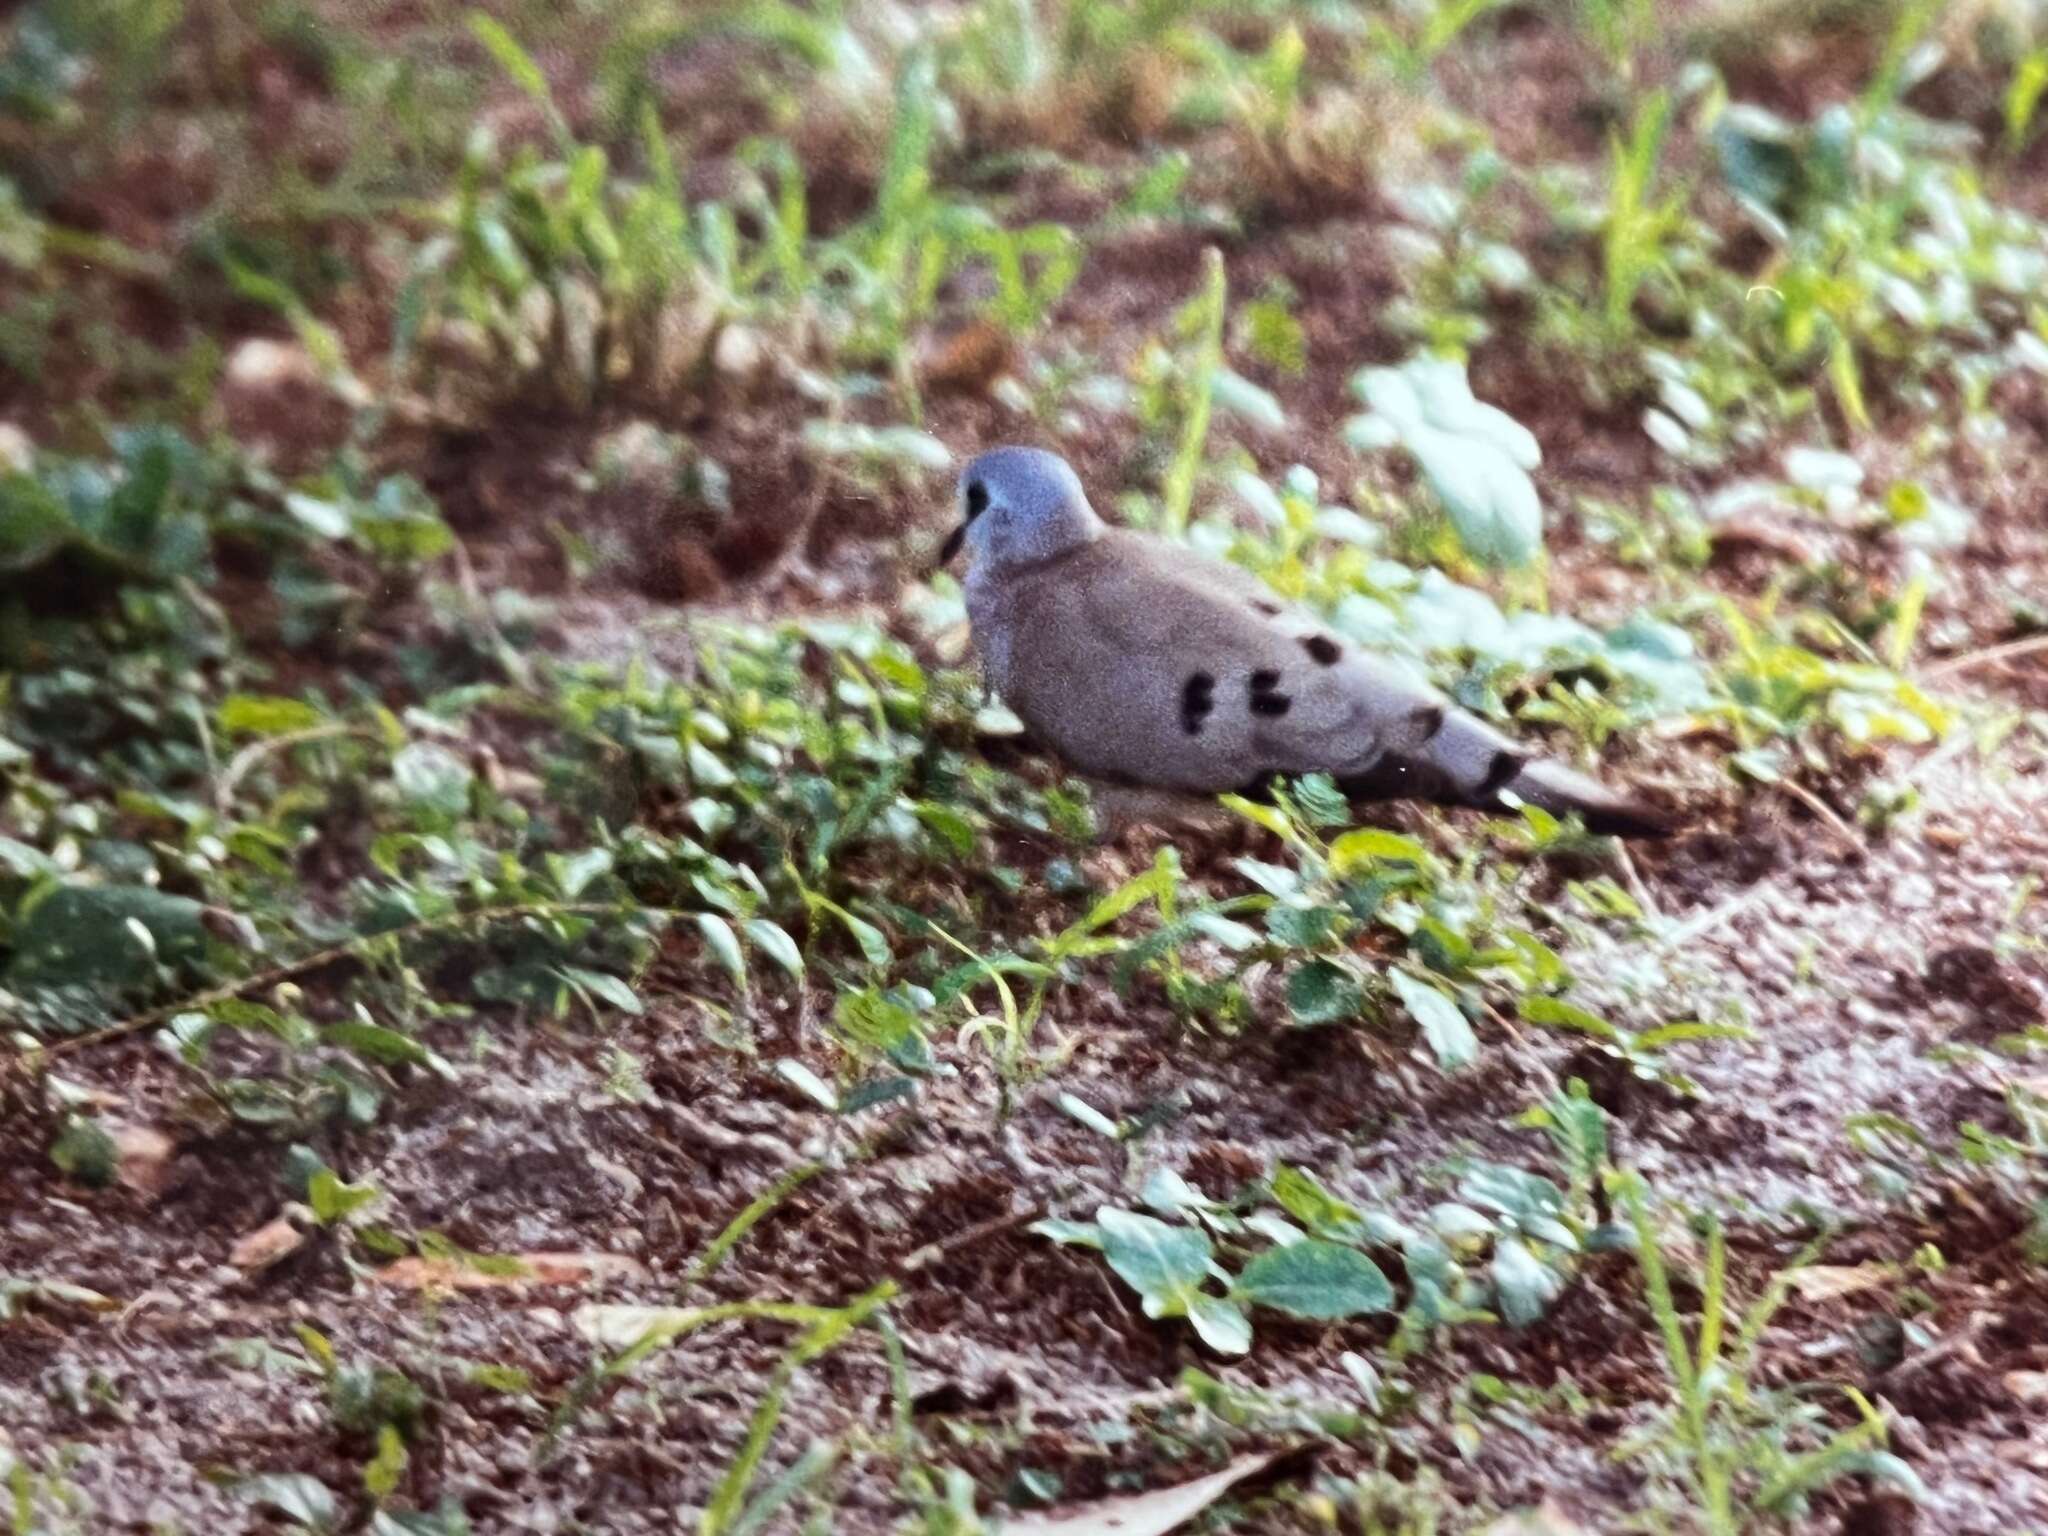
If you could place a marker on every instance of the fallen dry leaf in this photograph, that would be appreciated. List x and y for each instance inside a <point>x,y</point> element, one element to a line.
<point>50,1295</point>
<point>624,1325</point>
<point>539,1269</point>
<point>142,1158</point>
<point>1755,533</point>
<point>1546,1519</point>
<point>968,359</point>
<point>267,1245</point>
<point>1821,1282</point>
<point>1143,1514</point>
<point>2028,1386</point>
<point>2023,1453</point>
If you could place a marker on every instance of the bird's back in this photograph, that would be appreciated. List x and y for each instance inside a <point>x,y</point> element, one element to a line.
<point>1139,660</point>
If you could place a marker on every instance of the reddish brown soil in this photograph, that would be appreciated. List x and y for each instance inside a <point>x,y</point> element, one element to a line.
<point>1851,964</point>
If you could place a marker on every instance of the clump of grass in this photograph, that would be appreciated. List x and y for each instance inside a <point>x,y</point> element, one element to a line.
<point>1739,1451</point>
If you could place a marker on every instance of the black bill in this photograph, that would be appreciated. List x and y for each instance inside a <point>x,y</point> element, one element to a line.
<point>952,545</point>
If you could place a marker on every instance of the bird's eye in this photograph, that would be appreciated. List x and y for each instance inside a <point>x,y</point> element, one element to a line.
<point>977,500</point>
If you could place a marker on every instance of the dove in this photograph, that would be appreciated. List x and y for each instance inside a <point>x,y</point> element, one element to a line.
<point>1144,663</point>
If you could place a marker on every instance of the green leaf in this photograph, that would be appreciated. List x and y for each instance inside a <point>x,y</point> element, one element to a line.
<point>33,523</point>
<point>514,60</point>
<point>1072,1234</point>
<point>574,872</point>
<point>722,1514</point>
<point>113,935</point>
<point>1273,335</point>
<point>1259,814</point>
<point>1307,928</point>
<point>1512,1191</point>
<point>1087,1114</point>
<point>1220,1323</point>
<point>1305,1199</point>
<point>84,1152</point>
<point>1373,845</point>
<point>334,1200</point>
<point>1491,502</point>
<point>1166,1192</point>
<point>874,1022</point>
<point>1240,396</point>
<point>1578,1129</point>
<point>1165,1264</point>
<point>1323,992</point>
<point>1444,1024</point>
<point>432,779</point>
<point>1316,1279</point>
<point>707,769</point>
<point>808,1083</point>
<point>241,1013</point>
<point>604,986</point>
<point>873,943</point>
<point>293,1495</point>
<point>776,944</point>
<point>724,945</point>
<point>383,1470</point>
<point>1475,457</point>
<point>20,860</point>
<point>379,1044</point>
<point>1162,878</point>
<point>952,827</point>
<point>253,714</point>
<point>1758,156</point>
<point>329,519</point>
<point>1562,1015</point>
<point>1523,1283</point>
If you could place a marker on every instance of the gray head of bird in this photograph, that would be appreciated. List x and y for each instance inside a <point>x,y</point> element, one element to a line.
<point>1019,507</point>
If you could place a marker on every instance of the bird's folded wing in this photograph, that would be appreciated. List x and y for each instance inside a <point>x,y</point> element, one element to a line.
<point>1143,660</point>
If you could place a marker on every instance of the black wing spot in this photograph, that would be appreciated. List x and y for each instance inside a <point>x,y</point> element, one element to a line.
<point>1197,698</point>
<point>1505,766</point>
<point>1322,649</point>
<point>1265,697</point>
<point>977,500</point>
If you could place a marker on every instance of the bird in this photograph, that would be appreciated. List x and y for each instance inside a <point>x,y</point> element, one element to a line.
<point>1144,663</point>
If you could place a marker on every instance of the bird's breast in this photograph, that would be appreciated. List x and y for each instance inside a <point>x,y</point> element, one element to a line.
<point>988,620</point>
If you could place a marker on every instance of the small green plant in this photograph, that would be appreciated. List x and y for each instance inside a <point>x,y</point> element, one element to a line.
<point>1505,1249</point>
<point>1415,36</point>
<point>1776,688</point>
<point>1475,457</point>
<point>1172,1266</point>
<point>1638,224</point>
<point>2023,98</point>
<point>585,282</point>
<point>1738,1450</point>
<point>635,1335</point>
<point>1642,1052</point>
<point>1367,924</point>
<point>1621,29</point>
<point>1201,323</point>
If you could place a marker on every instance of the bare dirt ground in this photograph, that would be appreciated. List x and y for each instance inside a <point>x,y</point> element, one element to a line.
<point>1853,954</point>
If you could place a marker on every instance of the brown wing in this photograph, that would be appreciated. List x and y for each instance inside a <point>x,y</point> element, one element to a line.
<point>1143,661</point>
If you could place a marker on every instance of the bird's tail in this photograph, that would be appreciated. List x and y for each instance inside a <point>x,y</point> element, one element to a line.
<point>1562,791</point>
<point>1458,759</point>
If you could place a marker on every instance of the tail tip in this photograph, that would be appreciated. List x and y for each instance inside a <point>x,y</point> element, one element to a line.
<point>1562,792</point>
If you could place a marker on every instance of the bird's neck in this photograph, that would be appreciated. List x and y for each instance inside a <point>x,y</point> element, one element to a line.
<point>1043,541</point>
